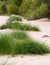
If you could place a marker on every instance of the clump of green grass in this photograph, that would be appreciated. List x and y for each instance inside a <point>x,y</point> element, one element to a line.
<point>20,26</point>
<point>29,47</point>
<point>14,18</point>
<point>20,43</point>
<point>8,40</point>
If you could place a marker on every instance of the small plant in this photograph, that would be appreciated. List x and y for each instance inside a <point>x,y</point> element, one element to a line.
<point>14,18</point>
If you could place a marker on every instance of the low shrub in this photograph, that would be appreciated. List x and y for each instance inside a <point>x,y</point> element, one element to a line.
<point>38,12</point>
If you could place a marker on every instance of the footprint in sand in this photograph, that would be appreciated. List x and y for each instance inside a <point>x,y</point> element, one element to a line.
<point>45,37</point>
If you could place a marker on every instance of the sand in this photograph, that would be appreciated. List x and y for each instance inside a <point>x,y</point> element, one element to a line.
<point>29,59</point>
<point>26,60</point>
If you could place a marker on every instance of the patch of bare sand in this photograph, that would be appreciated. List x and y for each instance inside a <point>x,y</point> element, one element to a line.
<point>38,36</point>
<point>26,60</point>
<point>3,19</point>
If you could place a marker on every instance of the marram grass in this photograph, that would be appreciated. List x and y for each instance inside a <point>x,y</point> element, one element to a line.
<point>20,43</point>
<point>20,26</point>
<point>14,18</point>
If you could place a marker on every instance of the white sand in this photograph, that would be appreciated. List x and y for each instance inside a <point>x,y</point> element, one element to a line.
<point>29,59</point>
<point>26,60</point>
<point>44,30</point>
<point>39,37</point>
<point>3,19</point>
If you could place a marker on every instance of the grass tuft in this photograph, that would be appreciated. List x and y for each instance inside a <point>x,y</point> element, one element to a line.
<point>20,43</point>
<point>20,26</point>
<point>14,18</point>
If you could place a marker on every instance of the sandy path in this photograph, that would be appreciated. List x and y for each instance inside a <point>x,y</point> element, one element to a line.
<point>29,59</point>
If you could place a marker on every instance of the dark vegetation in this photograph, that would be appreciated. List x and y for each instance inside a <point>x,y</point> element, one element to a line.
<point>34,9</point>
